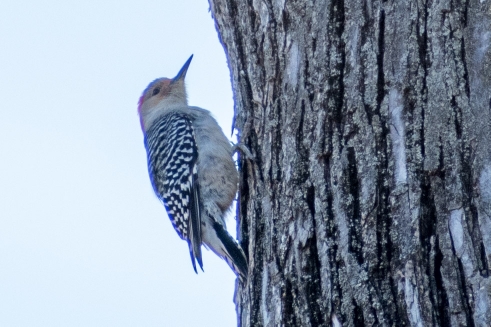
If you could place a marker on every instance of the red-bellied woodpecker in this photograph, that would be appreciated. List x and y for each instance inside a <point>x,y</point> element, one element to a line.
<point>191,169</point>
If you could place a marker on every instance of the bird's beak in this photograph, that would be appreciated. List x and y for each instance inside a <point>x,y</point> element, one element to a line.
<point>182,72</point>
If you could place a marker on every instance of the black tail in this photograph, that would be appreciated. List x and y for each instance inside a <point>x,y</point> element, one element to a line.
<point>194,229</point>
<point>236,258</point>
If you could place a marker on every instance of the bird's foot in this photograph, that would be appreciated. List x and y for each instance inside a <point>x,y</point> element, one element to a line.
<point>243,150</point>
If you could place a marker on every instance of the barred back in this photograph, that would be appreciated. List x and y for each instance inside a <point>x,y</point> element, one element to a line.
<point>172,154</point>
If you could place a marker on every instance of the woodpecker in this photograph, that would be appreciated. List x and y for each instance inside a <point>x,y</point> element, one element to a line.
<point>191,169</point>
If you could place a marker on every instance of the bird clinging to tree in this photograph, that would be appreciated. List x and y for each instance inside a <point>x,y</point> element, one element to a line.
<point>191,169</point>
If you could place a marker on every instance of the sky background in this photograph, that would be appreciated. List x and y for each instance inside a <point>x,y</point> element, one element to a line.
<point>83,239</point>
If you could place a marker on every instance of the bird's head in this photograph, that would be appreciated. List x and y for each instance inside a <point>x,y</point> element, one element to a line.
<point>162,94</point>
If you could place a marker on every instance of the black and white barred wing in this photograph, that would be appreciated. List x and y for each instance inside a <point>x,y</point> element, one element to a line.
<point>172,165</point>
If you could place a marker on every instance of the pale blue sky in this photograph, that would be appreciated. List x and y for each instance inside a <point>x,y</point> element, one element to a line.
<point>83,239</point>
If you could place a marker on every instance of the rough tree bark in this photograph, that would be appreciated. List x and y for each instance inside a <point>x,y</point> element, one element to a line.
<point>369,199</point>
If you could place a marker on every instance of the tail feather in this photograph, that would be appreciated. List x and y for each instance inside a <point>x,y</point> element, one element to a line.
<point>235,256</point>
<point>195,254</point>
<point>194,228</point>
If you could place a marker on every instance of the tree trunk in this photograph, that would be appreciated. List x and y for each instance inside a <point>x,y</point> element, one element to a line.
<point>368,202</point>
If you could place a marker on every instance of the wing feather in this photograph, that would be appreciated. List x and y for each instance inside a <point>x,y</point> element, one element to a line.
<point>172,164</point>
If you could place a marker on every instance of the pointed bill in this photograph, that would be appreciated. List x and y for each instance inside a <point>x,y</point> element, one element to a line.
<point>182,72</point>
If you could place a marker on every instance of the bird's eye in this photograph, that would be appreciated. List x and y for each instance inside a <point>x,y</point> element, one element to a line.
<point>155,91</point>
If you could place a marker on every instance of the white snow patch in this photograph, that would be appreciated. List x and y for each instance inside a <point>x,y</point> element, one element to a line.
<point>397,136</point>
<point>335,321</point>
<point>293,64</point>
<point>456,230</point>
